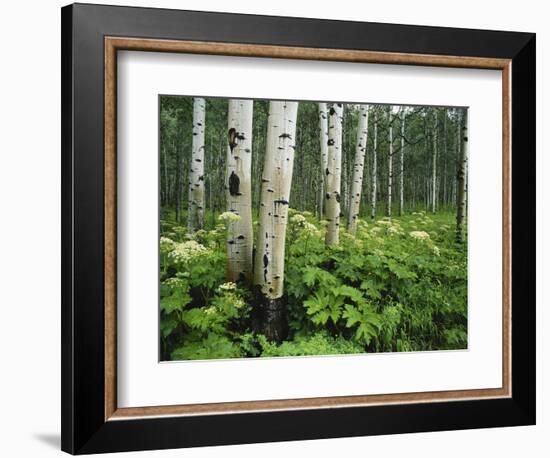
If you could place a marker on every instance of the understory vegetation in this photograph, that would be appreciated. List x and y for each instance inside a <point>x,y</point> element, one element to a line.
<point>397,284</point>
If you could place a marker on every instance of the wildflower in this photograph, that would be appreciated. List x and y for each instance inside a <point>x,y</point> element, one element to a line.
<point>201,233</point>
<point>419,235</point>
<point>174,282</point>
<point>210,310</point>
<point>375,230</point>
<point>238,303</point>
<point>307,213</point>
<point>384,222</point>
<point>310,229</point>
<point>229,286</point>
<point>186,251</point>
<point>393,230</point>
<point>166,244</point>
<point>229,217</point>
<point>435,250</point>
<point>298,219</point>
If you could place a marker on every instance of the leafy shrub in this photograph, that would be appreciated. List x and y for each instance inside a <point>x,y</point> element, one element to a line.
<point>398,285</point>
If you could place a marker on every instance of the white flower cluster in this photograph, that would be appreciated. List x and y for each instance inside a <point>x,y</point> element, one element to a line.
<point>238,303</point>
<point>229,217</point>
<point>166,244</point>
<point>310,229</point>
<point>174,282</point>
<point>298,219</point>
<point>393,230</point>
<point>229,286</point>
<point>419,235</point>
<point>186,251</point>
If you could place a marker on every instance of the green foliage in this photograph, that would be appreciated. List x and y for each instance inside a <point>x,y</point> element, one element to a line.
<point>213,346</point>
<point>397,285</point>
<point>316,344</point>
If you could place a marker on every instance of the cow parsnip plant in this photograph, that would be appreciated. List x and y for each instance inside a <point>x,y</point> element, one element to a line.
<point>398,284</point>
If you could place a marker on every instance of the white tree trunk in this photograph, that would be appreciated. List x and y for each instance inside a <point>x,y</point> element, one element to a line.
<point>434,167</point>
<point>358,167</point>
<point>269,262</point>
<point>402,165</point>
<point>374,159</point>
<point>461,181</point>
<point>390,165</point>
<point>323,140</point>
<point>334,173</point>
<point>238,190</point>
<point>195,208</point>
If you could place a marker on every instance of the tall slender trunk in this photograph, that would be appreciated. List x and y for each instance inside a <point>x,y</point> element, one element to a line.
<point>343,170</point>
<point>323,139</point>
<point>178,185</point>
<point>401,165</point>
<point>434,166</point>
<point>334,173</point>
<point>238,190</point>
<point>269,262</point>
<point>374,155</point>
<point>444,154</point>
<point>390,165</point>
<point>358,166</point>
<point>426,143</point>
<point>195,210</point>
<point>461,181</point>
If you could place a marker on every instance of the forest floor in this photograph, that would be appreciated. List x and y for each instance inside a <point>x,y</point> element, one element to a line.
<point>398,284</point>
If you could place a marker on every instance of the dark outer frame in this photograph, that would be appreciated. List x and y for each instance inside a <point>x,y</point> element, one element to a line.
<point>84,426</point>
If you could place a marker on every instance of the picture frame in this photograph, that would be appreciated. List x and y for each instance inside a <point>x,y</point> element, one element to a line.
<point>92,35</point>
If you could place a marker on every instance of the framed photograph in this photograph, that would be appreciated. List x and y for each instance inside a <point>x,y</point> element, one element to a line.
<point>284,228</point>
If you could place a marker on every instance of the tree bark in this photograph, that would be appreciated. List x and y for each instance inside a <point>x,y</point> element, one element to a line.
<point>195,210</point>
<point>461,181</point>
<point>374,157</point>
<point>269,262</point>
<point>323,139</point>
<point>390,165</point>
<point>238,190</point>
<point>402,165</point>
<point>358,166</point>
<point>334,173</point>
<point>434,166</point>
<point>178,185</point>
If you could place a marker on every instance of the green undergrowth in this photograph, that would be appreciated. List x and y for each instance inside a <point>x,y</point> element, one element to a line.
<point>399,284</point>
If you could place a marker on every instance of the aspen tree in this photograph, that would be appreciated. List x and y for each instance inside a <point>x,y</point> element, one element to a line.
<point>434,165</point>
<point>334,173</point>
<point>238,190</point>
<point>358,166</point>
<point>179,184</point>
<point>323,139</point>
<point>269,262</point>
<point>390,163</point>
<point>461,180</point>
<point>374,159</point>
<point>402,164</point>
<point>195,208</point>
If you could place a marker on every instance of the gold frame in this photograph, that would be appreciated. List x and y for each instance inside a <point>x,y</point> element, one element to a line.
<point>112,45</point>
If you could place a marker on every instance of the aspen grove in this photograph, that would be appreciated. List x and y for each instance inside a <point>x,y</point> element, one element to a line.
<point>292,228</point>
